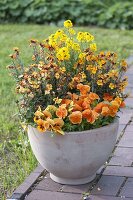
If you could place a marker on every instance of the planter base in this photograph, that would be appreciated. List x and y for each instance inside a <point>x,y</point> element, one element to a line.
<point>67,181</point>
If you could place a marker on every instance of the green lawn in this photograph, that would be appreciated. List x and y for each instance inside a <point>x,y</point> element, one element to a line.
<point>16,158</point>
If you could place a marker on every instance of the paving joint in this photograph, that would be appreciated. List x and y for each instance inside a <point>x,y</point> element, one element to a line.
<point>122,185</point>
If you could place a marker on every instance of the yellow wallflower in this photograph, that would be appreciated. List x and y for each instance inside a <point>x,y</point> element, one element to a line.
<point>88,37</point>
<point>124,65</point>
<point>69,43</point>
<point>53,43</point>
<point>100,82</point>
<point>63,37</point>
<point>82,55</point>
<point>93,70</point>
<point>81,58</point>
<point>113,73</point>
<point>52,40</point>
<point>48,88</point>
<point>101,63</point>
<point>58,33</point>
<point>68,24</point>
<point>83,75</point>
<point>63,69</point>
<point>80,36</point>
<point>72,31</point>
<point>112,86</point>
<point>85,36</point>
<point>63,54</point>
<point>93,47</point>
<point>57,76</point>
<point>88,67</point>
<point>76,47</point>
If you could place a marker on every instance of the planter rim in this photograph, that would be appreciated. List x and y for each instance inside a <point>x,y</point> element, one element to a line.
<point>116,120</point>
<point>93,130</point>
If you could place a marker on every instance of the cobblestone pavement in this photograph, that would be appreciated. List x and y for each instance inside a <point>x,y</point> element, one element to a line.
<point>114,180</point>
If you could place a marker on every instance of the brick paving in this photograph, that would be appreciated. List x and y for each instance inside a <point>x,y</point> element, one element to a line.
<point>114,180</point>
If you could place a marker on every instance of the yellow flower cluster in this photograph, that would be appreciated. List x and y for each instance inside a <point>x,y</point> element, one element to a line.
<point>63,43</point>
<point>84,36</point>
<point>63,54</point>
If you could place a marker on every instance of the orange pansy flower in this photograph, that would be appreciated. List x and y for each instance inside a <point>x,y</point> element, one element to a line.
<point>76,107</point>
<point>79,101</point>
<point>55,125</point>
<point>61,112</point>
<point>93,96</point>
<point>113,109</point>
<point>42,125</point>
<point>58,122</point>
<point>51,122</point>
<point>118,100</point>
<point>105,111</point>
<point>73,96</point>
<point>66,101</point>
<point>75,117</point>
<point>86,104</point>
<point>86,113</point>
<point>47,114</point>
<point>115,103</point>
<point>90,115</point>
<point>99,107</point>
<point>93,117</point>
<point>57,129</point>
<point>36,118</point>
<point>107,97</point>
<point>84,89</point>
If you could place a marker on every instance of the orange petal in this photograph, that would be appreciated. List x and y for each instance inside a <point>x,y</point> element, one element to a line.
<point>61,112</point>
<point>58,130</point>
<point>92,118</point>
<point>107,97</point>
<point>93,96</point>
<point>86,104</point>
<point>42,125</point>
<point>47,114</point>
<point>84,89</point>
<point>86,113</point>
<point>58,122</point>
<point>76,107</point>
<point>99,106</point>
<point>105,111</point>
<point>75,117</point>
<point>66,101</point>
<point>118,100</point>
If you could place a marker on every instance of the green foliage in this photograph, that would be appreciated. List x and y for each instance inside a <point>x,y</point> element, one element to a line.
<point>106,13</point>
<point>100,122</point>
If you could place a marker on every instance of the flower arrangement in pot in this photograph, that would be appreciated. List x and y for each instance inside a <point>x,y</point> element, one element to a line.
<point>69,98</point>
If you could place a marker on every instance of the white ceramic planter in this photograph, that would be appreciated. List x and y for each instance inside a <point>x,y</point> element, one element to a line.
<point>74,158</point>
